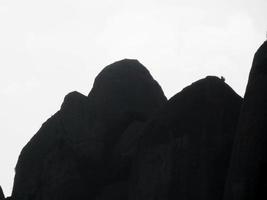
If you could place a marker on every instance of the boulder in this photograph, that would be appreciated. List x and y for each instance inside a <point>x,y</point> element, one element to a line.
<point>248,170</point>
<point>185,148</point>
<point>80,150</point>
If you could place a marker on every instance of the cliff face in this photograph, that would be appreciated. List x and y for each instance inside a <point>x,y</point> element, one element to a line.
<point>185,149</point>
<point>81,150</point>
<point>248,172</point>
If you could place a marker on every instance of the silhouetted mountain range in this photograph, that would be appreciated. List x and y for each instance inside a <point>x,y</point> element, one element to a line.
<point>125,140</point>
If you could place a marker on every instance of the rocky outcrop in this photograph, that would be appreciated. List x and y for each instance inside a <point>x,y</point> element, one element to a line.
<point>2,196</point>
<point>248,172</point>
<point>126,141</point>
<point>185,149</point>
<point>86,148</point>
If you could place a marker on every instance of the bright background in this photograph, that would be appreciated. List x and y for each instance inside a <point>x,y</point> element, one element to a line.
<point>49,48</point>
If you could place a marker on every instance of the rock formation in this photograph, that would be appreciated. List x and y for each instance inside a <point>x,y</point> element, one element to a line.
<point>85,149</point>
<point>185,148</point>
<point>126,141</point>
<point>248,172</point>
<point>2,196</point>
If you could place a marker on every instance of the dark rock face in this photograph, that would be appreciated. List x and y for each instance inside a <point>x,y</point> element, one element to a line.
<point>48,162</point>
<point>185,149</point>
<point>124,90</point>
<point>2,196</point>
<point>85,150</point>
<point>248,172</point>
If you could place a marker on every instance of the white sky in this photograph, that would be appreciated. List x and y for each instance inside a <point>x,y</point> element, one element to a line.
<point>49,48</point>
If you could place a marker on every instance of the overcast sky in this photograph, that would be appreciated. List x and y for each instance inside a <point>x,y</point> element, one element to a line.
<point>50,48</point>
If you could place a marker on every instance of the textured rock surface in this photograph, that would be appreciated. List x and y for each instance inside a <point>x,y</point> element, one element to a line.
<point>185,149</point>
<point>248,172</point>
<point>80,152</point>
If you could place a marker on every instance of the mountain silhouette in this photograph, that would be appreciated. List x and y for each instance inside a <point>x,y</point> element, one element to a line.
<point>126,141</point>
<point>248,172</point>
<point>78,151</point>
<point>185,149</point>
